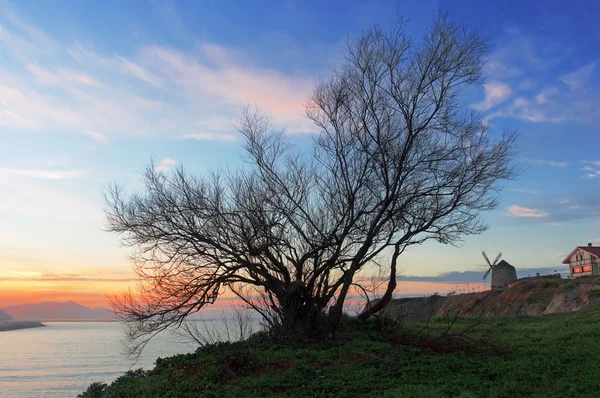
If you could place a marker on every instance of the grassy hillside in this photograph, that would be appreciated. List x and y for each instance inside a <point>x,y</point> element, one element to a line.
<point>548,356</point>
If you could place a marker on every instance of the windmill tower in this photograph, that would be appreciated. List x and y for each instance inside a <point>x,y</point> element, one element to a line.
<point>502,272</point>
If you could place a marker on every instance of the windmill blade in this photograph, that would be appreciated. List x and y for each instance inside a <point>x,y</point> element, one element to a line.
<point>486,258</point>
<point>497,258</point>
<point>487,273</point>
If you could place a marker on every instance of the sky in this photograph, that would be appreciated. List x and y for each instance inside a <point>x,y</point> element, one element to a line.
<point>91,91</point>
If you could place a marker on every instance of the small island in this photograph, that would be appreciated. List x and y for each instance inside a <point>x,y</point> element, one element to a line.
<point>8,323</point>
<point>14,325</point>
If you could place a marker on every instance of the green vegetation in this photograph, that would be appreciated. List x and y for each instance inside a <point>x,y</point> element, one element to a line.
<point>555,355</point>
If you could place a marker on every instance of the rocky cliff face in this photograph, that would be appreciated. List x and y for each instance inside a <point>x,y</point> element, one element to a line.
<point>525,298</point>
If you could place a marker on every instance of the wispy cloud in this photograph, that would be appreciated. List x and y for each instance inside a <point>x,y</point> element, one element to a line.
<point>525,190</point>
<point>495,93</point>
<point>551,163</point>
<point>61,77</point>
<point>156,90</point>
<point>580,77</point>
<point>576,207</point>
<point>219,73</point>
<point>591,173</point>
<point>531,110</point>
<point>544,89</point>
<point>36,276</point>
<point>165,165</point>
<point>41,174</point>
<point>593,170</point>
<point>208,137</point>
<point>526,212</point>
<point>21,38</point>
<point>141,73</point>
<point>96,136</point>
<point>517,53</point>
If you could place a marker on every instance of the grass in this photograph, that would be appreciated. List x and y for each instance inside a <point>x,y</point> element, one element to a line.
<point>548,356</point>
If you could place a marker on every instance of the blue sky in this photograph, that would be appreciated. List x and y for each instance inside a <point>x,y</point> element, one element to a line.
<point>89,91</point>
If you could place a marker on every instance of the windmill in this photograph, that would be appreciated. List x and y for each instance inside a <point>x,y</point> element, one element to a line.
<point>503,274</point>
<point>491,264</point>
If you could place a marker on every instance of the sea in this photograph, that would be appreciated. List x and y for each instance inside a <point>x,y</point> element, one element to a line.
<point>63,358</point>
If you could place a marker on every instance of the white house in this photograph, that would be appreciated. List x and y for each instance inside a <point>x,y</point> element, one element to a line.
<point>584,261</point>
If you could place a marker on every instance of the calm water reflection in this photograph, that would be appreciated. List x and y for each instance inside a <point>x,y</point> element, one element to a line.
<point>62,359</point>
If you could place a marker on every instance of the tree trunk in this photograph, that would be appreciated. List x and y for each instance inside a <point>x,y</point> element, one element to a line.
<point>299,313</point>
<point>387,296</point>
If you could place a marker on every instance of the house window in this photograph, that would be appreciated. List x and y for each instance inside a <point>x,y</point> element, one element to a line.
<point>577,270</point>
<point>587,268</point>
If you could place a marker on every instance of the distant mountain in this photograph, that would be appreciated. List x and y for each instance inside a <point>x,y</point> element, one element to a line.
<point>53,311</point>
<point>4,316</point>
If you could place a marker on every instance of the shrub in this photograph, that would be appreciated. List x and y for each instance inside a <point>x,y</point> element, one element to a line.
<point>95,390</point>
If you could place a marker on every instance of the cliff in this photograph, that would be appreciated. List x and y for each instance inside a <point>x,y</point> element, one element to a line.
<point>532,297</point>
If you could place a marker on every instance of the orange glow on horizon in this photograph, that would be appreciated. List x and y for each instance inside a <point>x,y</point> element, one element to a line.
<point>88,299</point>
<point>94,294</point>
<point>88,291</point>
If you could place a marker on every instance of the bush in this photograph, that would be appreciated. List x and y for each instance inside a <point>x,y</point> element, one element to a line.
<point>95,390</point>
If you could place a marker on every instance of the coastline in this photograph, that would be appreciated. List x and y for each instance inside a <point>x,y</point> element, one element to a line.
<point>16,325</point>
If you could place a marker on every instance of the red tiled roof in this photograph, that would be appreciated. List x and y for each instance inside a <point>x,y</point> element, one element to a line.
<point>594,250</point>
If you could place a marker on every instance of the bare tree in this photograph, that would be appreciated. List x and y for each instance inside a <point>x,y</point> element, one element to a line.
<point>397,161</point>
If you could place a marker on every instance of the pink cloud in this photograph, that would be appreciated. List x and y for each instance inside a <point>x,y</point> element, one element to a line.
<point>190,92</point>
<point>217,76</point>
<point>518,211</point>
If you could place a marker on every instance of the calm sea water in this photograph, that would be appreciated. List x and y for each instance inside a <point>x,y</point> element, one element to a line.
<point>62,359</point>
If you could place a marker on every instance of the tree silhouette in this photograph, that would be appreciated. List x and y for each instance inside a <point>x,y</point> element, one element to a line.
<point>397,160</point>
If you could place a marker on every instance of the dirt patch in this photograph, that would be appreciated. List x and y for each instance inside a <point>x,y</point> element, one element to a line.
<point>355,357</point>
<point>278,366</point>
<point>272,367</point>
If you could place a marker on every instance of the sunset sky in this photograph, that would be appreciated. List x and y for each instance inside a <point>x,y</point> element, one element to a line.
<point>91,90</point>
